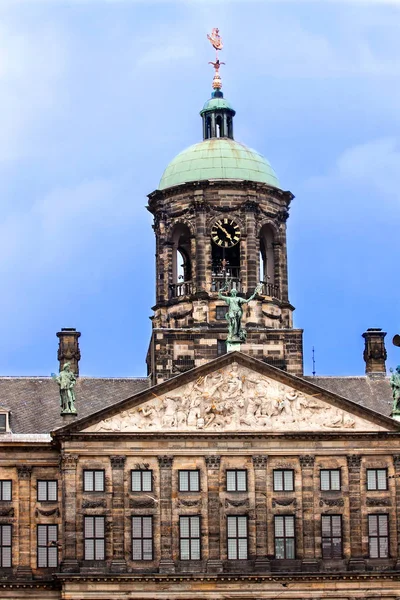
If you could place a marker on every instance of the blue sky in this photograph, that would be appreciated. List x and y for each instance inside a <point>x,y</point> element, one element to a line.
<point>97,96</point>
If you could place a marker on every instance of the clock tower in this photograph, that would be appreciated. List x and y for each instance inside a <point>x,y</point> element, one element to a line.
<point>220,224</point>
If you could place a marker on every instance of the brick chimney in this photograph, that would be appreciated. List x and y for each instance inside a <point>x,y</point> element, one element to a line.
<point>375,352</point>
<point>68,348</point>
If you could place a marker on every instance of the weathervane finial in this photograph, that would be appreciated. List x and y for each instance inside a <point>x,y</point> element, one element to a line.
<point>216,42</point>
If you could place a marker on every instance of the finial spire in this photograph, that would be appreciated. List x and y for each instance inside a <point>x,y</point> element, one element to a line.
<point>216,42</point>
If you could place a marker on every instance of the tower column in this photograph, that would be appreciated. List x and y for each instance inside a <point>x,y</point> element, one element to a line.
<point>68,348</point>
<point>118,564</point>
<point>260,475</point>
<point>24,570</point>
<point>167,564</point>
<point>68,465</point>
<point>307,475</point>
<point>356,562</point>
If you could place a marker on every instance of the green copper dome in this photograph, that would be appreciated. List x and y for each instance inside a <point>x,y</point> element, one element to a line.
<point>218,158</point>
<point>215,104</point>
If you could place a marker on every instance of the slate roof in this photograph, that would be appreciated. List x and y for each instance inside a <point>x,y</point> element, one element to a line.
<point>366,391</point>
<point>34,401</point>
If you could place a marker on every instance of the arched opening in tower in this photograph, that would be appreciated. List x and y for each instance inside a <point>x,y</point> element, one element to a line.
<point>181,255</point>
<point>225,266</point>
<point>267,263</point>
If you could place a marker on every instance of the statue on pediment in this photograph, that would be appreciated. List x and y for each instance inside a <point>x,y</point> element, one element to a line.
<point>66,381</point>
<point>395,385</point>
<point>236,333</point>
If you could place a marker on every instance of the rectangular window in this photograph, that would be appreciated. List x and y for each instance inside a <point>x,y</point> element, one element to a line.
<point>5,545</point>
<point>331,527</point>
<point>330,480</point>
<point>377,479</point>
<point>47,551</point>
<point>284,536</point>
<point>189,481</point>
<point>237,537</point>
<point>283,480</point>
<point>221,347</point>
<point>3,423</point>
<point>236,480</point>
<point>142,480</point>
<point>94,534</point>
<point>189,538</point>
<point>47,490</point>
<point>142,538</point>
<point>5,490</point>
<point>93,481</point>
<point>221,312</point>
<point>378,534</point>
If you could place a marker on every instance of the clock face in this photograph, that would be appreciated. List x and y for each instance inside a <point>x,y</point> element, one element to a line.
<point>225,232</point>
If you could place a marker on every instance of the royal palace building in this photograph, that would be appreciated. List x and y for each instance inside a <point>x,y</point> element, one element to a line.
<point>226,473</point>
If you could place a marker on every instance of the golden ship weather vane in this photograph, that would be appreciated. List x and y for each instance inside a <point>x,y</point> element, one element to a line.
<point>217,44</point>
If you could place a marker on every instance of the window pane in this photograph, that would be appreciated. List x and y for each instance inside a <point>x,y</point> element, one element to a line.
<point>289,548</point>
<point>194,481</point>
<point>185,550</point>
<point>52,490</point>
<point>137,549</point>
<point>195,526</point>
<point>241,481</point>
<point>337,547</point>
<point>147,481</point>
<point>383,547</point>
<point>183,481</point>
<point>326,526</point>
<point>184,526</point>
<point>42,535</point>
<point>371,479</point>
<point>42,557</point>
<point>242,543</point>
<point>6,535</point>
<point>147,527</point>
<point>136,481</point>
<point>382,479</point>
<point>279,548</point>
<point>136,527</point>
<point>52,557</point>
<point>232,552</point>
<point>88,481</point>
<point>99,549</point>
<point>6,491</point>
<point>231,481</point>
<point>89,527</point>
<point>242,526</point>
<point>336,526</point>
<point>52,533</point>
<point>289,524</point>
<point>195,549</point>
<point>231,526</point>
<point>288,481</point>
<point>89,549</point>
<point>147,550</point>
<point>99,526</point>
<point>373,524</point>
<point>325,482</point>
<point>278,481</point>
<point>373,547</point>
<point>42,491</point>
<point>3,422</point>
<point>335,480</point>
<point>279,526</point>
<point>383,525</point>
<point>99,481</point>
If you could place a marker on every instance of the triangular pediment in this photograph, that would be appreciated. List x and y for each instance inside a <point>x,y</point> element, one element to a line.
<point>236,394</point>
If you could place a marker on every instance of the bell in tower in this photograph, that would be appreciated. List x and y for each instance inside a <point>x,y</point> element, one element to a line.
<point>220,225</point>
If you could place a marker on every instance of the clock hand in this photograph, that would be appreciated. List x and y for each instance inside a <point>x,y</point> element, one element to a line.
<point>225,231</point>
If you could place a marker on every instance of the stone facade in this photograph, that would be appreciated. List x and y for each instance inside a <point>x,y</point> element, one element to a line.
<point>188,328</point>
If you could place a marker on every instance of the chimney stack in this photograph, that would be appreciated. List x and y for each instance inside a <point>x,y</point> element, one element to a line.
<point>68,348</point>
<point>375,352</point>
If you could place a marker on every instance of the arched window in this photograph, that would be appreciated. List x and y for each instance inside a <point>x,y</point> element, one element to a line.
<point>218,126</point>
<point>181,259</point>
<point>267,266</point>
<point>208,128</point>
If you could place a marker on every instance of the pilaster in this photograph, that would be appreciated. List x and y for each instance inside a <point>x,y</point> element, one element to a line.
<point>118,564</point>
<point>356,562</point>
<point>262,563</point>
<point>252,250</point>
<point>24,570</point>
<point>396,462</point>
<point>214,563</point>
<point>200,246</point>
<point>307,477</point>
<point>167,564</point>
<point>68,463</point>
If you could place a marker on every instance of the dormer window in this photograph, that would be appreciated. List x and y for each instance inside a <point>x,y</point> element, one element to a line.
<point>4,420</point>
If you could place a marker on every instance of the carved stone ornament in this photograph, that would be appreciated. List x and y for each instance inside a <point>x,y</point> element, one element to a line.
<point>7,512</point>
<point>283,502</point>
<point>331,502</point>
<point>378,502</point>
<point>213,462</point>
<point>24,471</point>
<point>260,461</point>
<point>141,502</point>
<point>68,461</point>
<point>47,513</point>
<point>307,461</point>
<point>184,502</point>
<point>235,398</point>
<point>353,461</point>
<point>236,503</point>
<point>165,462</point>
<point>101,503</point>
<point>117,462</point>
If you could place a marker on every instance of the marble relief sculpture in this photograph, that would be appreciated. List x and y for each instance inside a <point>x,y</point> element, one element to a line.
<point>234,399</point>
